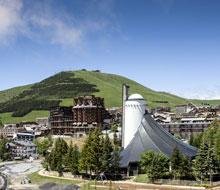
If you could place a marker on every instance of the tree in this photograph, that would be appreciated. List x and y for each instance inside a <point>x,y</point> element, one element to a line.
<point>57,155</point>
<point>196,140</point>
<point>207,161</point>
<point>180,165</point>
<point>92,153</point>
<point>95,152</point>
<point>43,146</point>
<point>4,154</point>
<point>106,153</point>
<point>211,163</point>
<point>200,166</point>
<point>72,159</point>
<point>115,161</point>
<point>155,165</point>
<point>84,162</point>
<point>217,143</point>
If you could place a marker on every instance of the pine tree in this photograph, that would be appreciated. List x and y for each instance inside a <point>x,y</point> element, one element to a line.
<point>57,155</point>
<point>187,167</point>
<point>92,152</point>
<point>72,159</point>
<point>95,152</point>
<point>176,162</point>
<point>211,162</point>
<point>106,153</point>
<point>84,162</point>
<point>115,161</point>
<point>200,165</point>
<point>217,144</point>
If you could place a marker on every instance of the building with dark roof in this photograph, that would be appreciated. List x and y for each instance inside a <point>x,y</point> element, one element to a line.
<point>141,133</point>
<point>151,136</point>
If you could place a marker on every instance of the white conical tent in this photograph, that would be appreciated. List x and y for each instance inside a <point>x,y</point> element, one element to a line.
<point>151,136</point>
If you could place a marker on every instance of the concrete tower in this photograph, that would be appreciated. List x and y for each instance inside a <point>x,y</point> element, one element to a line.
<point>135,108</point>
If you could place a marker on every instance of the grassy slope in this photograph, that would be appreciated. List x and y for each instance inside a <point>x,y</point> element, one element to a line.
<point>210,102</point>
<point>8,119</point>
<point>10,93</point>
<point>110,87</point>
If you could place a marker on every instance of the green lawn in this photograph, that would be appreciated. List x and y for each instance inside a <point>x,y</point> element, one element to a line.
<point>8,119</point>
<point>40,180</point>
<point>142,178</point>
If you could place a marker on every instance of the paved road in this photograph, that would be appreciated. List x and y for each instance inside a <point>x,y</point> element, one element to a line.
<point>3,182</point>
<point>16,171</point>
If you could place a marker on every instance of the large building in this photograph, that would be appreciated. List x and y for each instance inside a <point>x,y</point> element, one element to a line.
<point>87,113</point>
<point>61,120</point>
<point>22,149</point>
<point>142,133</point>
<point>187,127</point>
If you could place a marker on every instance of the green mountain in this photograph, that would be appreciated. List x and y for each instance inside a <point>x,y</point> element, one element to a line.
<point>30,101</point>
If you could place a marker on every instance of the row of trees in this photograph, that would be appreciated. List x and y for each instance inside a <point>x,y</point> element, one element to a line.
<point>202,167</point>
<point>98,155</point>
<point>157,165</point>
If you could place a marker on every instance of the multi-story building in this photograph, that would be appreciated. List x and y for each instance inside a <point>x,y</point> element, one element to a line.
<point>22,149</point>
<point>24,136</point>
<point>87,113</point>
<point>61,119</point>
<point>187,127</point>
<point>8,131</point>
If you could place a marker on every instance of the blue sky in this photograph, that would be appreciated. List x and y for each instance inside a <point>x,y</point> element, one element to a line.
<point>167,45</point>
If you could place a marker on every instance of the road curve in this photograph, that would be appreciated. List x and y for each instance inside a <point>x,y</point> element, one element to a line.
<point>3,182</point>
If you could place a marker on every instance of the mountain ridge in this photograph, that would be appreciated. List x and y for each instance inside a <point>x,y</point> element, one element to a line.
<point>60,89</point>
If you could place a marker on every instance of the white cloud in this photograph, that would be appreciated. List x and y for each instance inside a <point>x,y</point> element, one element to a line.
<point>11,22</point>
<point>40,22</point>
<point>57,31</point>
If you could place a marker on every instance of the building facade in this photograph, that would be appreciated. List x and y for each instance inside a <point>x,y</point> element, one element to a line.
<point>87,113</point>
<point>22,149</point>
<point>61,120</point>
<point>187,127</point>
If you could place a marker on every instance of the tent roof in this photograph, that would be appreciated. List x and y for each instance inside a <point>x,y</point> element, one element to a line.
<point>151,136</point>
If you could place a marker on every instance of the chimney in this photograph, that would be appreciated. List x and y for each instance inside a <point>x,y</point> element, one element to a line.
<point>124,98</point>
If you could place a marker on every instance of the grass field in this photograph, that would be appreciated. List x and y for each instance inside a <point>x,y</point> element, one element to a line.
<point>142,178</point>
<point>8,119</point>
<point>38,179</point>
<point>85,185</point>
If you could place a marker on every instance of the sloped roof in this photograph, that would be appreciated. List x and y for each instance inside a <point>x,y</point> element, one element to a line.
<point>151,136</point>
